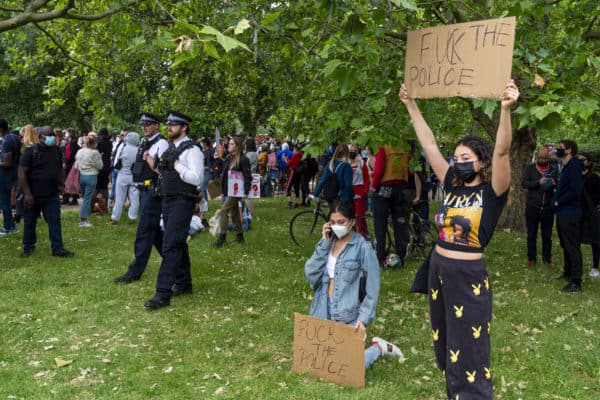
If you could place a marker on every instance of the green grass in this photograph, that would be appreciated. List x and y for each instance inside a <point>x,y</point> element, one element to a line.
<point>232,339</point>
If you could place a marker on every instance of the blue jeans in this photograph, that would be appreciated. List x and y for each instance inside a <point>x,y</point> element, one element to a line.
<point>175,266</point>
<point>113,184</point>
<point>88,187</point>
<point>50,206</point>
<point>372,353</point>
<point>6,184</point>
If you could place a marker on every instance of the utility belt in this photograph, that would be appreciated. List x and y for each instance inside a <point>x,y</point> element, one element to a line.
<point>147,185</point>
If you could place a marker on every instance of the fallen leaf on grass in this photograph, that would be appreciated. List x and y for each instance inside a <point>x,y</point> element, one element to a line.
<point>219,391</point>
<point>168,370</point>
<point>62,363</point>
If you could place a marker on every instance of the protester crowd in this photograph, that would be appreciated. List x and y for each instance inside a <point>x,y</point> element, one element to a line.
<point>169,180</point>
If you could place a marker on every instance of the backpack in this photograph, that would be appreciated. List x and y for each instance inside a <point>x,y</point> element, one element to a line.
<point>331,187</point>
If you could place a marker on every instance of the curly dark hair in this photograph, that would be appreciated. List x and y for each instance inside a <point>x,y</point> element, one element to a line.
<point>465,223</point>
<point>483,150</point>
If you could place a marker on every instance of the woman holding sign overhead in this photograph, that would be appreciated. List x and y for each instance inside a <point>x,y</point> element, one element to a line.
<point>460,297</point>
<point>235,186</point>
<point>344,275</point>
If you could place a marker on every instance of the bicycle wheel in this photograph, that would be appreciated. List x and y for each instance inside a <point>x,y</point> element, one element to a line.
<point>305,227</point>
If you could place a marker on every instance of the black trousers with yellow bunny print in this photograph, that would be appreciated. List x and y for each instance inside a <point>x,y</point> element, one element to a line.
<point>460,303</point>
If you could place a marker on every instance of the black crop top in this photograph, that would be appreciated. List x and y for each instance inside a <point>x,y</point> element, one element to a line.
<point>468,215</point>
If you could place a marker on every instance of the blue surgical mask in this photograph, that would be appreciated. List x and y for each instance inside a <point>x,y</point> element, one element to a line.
<point>50,140</point>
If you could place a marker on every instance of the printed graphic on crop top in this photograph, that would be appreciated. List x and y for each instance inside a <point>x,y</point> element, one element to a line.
<point>468,215</point>
<point>459,218</point>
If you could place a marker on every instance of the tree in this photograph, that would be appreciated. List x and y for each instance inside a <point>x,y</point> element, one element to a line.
<point>15,14</point>
<point>317,71</point>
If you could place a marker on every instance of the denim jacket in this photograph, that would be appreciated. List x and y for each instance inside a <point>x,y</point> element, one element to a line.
<point>356,259</point>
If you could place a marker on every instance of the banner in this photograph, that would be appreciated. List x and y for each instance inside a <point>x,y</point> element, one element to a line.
<point>255,187</point>
<point>472,59</point>
<point>329,350</point>
<point>235,184</point>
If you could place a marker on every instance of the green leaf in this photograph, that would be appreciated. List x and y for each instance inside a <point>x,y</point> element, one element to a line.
<point>347,78</point>
<point>211,50</point>
<point>189,26</point>
<point>228,43</point>
<point>270,18</point>
<point>541,112</point>
<point>488,106</point>
<point>584,108</point>
<point>331,66</point>
<point>408,4</point>
<point>241,26</point>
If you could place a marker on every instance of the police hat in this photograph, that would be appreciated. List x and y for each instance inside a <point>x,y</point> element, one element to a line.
<point>148,119</point>
<point>177,118</point>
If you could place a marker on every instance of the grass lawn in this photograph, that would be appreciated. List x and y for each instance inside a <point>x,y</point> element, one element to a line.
<point>232,339</point>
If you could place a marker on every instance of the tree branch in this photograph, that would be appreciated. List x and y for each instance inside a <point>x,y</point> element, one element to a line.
<point>13,10</point>
<point>396,35</point>
<point>66,53</point>
<point>30,16</point>
<point>96,17</point>
<point>592,34</point>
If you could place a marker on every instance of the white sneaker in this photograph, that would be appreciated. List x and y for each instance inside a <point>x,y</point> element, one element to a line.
<point>594,273</point>
<point>387,348</point>
<point>85,224</point>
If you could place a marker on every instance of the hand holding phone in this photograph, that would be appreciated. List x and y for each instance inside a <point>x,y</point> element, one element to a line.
<point>327,232</point>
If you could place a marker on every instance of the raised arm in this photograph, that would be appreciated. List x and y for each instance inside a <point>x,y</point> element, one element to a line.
<point>501,159</point>
<point>425,135</point>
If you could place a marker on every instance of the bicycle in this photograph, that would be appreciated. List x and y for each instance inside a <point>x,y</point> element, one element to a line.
<point>306,226</point>
<point>423,234</point>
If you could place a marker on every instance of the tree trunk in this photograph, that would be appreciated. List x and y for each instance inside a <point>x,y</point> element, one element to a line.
<point>523,146</point>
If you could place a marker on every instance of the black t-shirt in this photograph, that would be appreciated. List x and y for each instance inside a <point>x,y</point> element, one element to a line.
<point>10,144</point>
<point>468,215</point>
<point>45,165</point>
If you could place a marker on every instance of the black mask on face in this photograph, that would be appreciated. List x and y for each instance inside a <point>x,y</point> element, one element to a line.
<point>465,171</point>
<point>560,153</point>
<point>352,155</point>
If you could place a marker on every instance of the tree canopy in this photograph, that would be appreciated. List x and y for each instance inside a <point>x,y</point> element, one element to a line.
<point>318,70</point>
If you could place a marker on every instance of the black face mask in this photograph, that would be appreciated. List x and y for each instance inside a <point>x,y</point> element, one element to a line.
<point>560,153</point>
<point>465,171</point>
<point>352,155</point>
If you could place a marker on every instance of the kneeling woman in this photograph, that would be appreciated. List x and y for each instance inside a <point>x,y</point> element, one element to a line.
<point>334,272</point>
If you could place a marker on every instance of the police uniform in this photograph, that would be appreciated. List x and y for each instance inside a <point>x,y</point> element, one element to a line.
<point>148,229</point>
<point>181,169</point>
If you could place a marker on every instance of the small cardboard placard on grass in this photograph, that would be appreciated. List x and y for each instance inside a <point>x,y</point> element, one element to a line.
<point>329,350</point>
<point>472,59</point>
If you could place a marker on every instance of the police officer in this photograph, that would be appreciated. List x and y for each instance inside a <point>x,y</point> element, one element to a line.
<point>180,170</point>
<point>145,176</point>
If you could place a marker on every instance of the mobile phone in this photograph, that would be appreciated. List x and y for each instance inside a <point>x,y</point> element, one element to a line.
<point>330,232</point>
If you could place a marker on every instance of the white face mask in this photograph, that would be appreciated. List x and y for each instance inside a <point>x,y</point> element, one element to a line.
<point>340,230</point>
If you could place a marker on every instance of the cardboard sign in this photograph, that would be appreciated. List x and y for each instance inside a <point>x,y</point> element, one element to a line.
<point>255,187</point>
<point>472,59</point>
<point>329,350</point>
<point>235,183</point>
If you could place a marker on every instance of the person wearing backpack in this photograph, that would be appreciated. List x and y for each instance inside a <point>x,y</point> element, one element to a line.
<point>336,181</point>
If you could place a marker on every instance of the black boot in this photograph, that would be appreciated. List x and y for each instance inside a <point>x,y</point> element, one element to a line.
<point>220,241</point>
<point>239,238</point>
